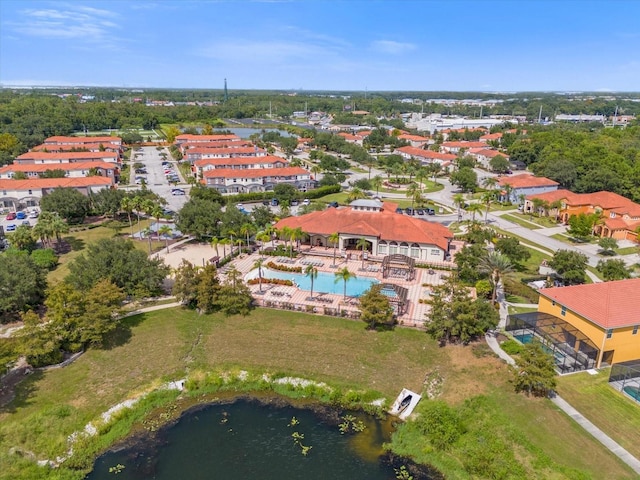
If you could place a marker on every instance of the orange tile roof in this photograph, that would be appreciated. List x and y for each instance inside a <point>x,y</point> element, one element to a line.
<point>224,150</point>
<point>419,152</point>
<point>43,167</point>
<point>491,136</point>
<point>488,153</point>
<point>240,161</point>
<point>65,139</point>
<point>385,224</point>
<point>348,136</point>
<point>207,138</point>
<point>524,180</point>
<point>39,183</point>
<point>413,138</point>
<point>54,147</point>
<point>66,155</point>
<point>222,144</point>
<point>605,200</point>
<point>607,304</point>
<point>463,144</point>
<point>254,172</point>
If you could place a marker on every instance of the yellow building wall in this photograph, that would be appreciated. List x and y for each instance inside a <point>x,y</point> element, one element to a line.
<point>625,345</point>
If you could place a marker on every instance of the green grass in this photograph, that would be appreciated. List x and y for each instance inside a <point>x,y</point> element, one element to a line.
<point>545,222</point>
<point>79,240</point>
<point>612,412</point>
<point>514,310</point>
<point>166,344</point>
<point>520,221</point>
<point>628,250</point>
<point>516,299</point>
<point>566,238</point>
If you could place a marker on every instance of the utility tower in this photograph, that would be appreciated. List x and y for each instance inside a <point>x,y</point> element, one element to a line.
<point>226,93</point>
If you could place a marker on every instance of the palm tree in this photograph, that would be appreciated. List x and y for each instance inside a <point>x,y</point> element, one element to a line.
<point>345,275</point>
<point>285,233</point>
<point>474,208</point>
<point>376,182</point>
<point>147,232</point>
<point>166,231</point>
<point>497,266</point>
<point>316,170</point>
<point>156,212</point>
<point>127,205</point>
<point>231,233</point>
<point>489,182</point>
<point>224,242</point>
<point>334,238</point>
<point>137,205</point>
<point>258,264</point>
<point>43,228</point>
<point>248,230</point>
<point>362,243</point>
<point>487,199</point>
<point>215,241</point>
<point>458,200</point>
<point>414,192</point>
<point>295,235</point>
<point>57,227</point>
<point>312,273</point>
<point>355,194</point>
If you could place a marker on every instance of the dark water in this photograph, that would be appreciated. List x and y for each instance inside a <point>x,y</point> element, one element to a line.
<point>250,440</point>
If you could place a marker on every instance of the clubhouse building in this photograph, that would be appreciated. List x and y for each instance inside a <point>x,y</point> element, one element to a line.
<point>386,232</point>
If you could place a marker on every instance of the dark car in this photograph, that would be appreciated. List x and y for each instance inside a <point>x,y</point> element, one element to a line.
<point>408,211</point>
<point>177,191</point>
<point>419,212</point>
<point>334,204</point>
<point>399,210</point>
<point>275,202</point>
<point>430,211</point>
<point>294,203</point>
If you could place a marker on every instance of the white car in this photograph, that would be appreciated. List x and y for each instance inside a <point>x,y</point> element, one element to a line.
<point>306,201</point>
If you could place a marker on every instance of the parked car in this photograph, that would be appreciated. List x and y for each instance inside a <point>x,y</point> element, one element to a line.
<point>430,211</point>
<point>306,201</point>
<point>26,223</point>
<point>21,215</point>
<point>294,203</point>
<point>11,216</point>
<point>275,202</point>
<point>419,212</point>
<point>34,214</point>
<point>11,228</point>
<point>177,191</point>
<point>334,204</point>
<point>408,211</point>
<point>399,210</point>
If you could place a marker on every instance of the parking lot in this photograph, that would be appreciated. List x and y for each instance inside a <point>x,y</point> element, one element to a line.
<point>12,220</point>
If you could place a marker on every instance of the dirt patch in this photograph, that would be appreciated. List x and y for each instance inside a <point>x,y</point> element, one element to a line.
<point>9,382</point>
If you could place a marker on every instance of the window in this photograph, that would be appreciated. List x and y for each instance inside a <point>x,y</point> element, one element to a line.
<point>635,330</point>
<point>415,252</point>
<point>563,312</point>
<point>435,251</point>
<point>610,333</point>
<point>382,249</point>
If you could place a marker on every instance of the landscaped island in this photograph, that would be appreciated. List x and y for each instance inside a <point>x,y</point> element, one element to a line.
<point>485,424</point>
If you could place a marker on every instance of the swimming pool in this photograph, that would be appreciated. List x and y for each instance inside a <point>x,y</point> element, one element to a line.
<point>528,338</point>
<point>633,392</point>
<point>324,283</point>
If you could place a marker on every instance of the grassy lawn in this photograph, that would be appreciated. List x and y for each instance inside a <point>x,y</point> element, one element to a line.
<point>524,241</point>
<point>164,345</point>
<point>520,221</point>
<point>628,250</point>
<point>499,207</point>
<point>79,240</point>
<point>516,299</point>
<point>566,238</point>
<point>546,222</point>
<point>514,310</point>
<point>617,415</point>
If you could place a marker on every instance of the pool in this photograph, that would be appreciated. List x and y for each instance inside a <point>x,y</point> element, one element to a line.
<point>633,392</point>
<point>324,283</point>
<point>528,338</point>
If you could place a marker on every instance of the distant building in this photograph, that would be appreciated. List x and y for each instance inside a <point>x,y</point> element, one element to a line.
<point>17,194</point>
<point>236,180</point>
<point>523,185</point>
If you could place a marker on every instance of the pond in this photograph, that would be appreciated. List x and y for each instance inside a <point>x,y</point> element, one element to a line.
<point>251,439</point>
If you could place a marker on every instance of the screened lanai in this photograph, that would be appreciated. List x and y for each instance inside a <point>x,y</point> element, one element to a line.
<point>625,377</point>
<point>571,349</point>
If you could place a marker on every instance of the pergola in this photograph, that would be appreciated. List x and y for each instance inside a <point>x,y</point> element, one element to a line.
<point>397,297</point>
<point>398,265</point>
<point>572,350</point>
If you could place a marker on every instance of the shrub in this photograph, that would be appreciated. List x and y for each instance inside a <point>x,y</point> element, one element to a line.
<point>511,347</point>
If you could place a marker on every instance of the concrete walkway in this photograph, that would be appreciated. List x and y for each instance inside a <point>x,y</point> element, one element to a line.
<point>562,404</point>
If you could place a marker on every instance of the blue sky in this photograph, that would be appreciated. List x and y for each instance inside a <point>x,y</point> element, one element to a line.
<point>420,45</point>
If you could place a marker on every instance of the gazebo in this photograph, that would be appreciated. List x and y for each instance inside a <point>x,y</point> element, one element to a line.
<point>398,265</point>
<point>397,297</point>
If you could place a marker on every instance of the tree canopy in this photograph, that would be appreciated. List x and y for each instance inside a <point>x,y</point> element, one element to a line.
<point>375,307</point>
<point>536,372</point>
<point>120,262</point>
<point>570,266</point>
<point>69,203</point>
<point>22,283</point>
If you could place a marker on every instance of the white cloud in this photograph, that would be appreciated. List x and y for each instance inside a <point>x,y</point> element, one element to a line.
<point>392,47</point>
<point>69,21</point>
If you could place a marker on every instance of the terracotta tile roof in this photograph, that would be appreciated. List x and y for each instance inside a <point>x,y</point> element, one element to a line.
<point>39,183</point>
<point>605,200</point>
<point>491,136</point>
<point>385,224</point>
<point>488,153</point>
<point>421,153</point>
<point>552,196</point>
<point>225,150</point>
<point>65,139</point>
<point>413,138</point>
<point>254,172</point>
<point>222,144</point>
<point>53,147</point>
<point>267,159</point>
<point>348,136</point>
<point>463,144</point>
<point>186,137</point>
<point>66,155</point>
<point>607,304</point>
<point>525,180</point>
<point>43,167</point>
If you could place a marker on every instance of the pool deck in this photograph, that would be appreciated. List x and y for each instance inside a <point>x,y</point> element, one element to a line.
<point>280,296</point>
